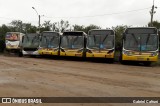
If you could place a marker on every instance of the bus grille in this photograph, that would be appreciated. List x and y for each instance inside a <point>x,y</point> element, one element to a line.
<point>30,49</point>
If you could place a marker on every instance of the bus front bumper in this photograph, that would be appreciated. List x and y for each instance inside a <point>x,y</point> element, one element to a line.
<point>99,55</point>
<point>30,52</point>
<point>140,58</point>
<point>48,52</point>
<point>72,54</point>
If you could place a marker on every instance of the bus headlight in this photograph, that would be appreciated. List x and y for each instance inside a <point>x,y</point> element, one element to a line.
<point>110,51</point>
<point>129,53</point>
<point>89,51</point>
<point>154,54</point>
<point>80,51</point>
<point>40,48</point>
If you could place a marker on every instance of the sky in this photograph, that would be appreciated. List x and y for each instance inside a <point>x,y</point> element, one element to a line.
<point>103,13</point>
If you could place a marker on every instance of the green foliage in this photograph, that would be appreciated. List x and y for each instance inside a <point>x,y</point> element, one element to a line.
<point>3,30</point>
<point>78,28</point>
<point>91,27</point>
<point>155,24</point>
<point>19,26</point>
<point>60,26</point>
<point>46,26</point>
<point>119,30</point>
<point>85,29</point>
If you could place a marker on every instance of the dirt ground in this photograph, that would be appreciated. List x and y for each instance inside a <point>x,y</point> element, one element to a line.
<point>37,77</point>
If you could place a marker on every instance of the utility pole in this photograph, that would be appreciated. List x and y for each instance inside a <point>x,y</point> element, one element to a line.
<point>39,23</point>
<point>152,12</point>
<point>39,20</point>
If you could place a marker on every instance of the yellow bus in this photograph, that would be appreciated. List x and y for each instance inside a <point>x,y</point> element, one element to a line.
<point>101,44</point>
<point>140,44</point>
<point>49,44</point>
<point>73,44</point>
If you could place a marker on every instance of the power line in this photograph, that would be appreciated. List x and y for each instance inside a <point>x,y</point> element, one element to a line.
<point>6,18</point>
<point>11,19</point>
<point>103,14</point>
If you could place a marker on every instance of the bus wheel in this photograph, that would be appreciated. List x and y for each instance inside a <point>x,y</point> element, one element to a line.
<point>147,63</point>
<point>110,60</point>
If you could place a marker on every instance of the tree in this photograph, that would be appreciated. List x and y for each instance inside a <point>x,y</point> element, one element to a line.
<point>16,25</point>
<point>47,26</point>
<point>60,26</point>
<point>119,30</point>
<point>78,28</point>
<point>91,27</point>
<point>85,29</point>
<point>155,24</point>
<point>28,28</point>
<point>3,30</point>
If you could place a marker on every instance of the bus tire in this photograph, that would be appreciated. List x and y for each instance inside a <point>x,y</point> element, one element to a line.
<point>20,54</point>
<point>111,60</point>
<point>147,63</point>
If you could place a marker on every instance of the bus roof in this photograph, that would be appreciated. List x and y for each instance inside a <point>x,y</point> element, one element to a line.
<point>76,33</point>
<point>49,32</point>
<point>101,31</point>
<point>15,32</point>
<point>143,30</point>
<point>32,34</point>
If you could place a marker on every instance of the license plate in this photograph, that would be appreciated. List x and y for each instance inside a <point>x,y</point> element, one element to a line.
<point>47,53</point>
<point>78,55</point>
<point>140,58</point>
<point>30,52</point>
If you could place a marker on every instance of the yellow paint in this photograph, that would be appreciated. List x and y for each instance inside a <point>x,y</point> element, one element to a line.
<point>102,54</point>
<point>140,58</point>
<point>48,52</point>
<point>72,53</point>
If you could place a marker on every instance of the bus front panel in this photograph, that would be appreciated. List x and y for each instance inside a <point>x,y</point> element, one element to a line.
<point>101,44</point>
<point>49,43</point>
<point>140,45</point>
<point>30,44</point>
<point>72,44</point>
<point>12,40</point>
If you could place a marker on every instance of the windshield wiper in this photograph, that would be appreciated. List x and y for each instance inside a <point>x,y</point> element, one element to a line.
<point>74,41</point>
<point>27,37</point>
<point>35,38</point>
<point>104,39</point>
<point>45,44</point>
<point>148,38</point>
<point>135,38</point>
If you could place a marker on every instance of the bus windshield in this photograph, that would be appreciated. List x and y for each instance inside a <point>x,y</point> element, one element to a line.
<point>12,37</point>
<point>100,41</point>
<point>141,42</point>
<point>31,40</point>
<point>72,42</point>
<point>50,40</point>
